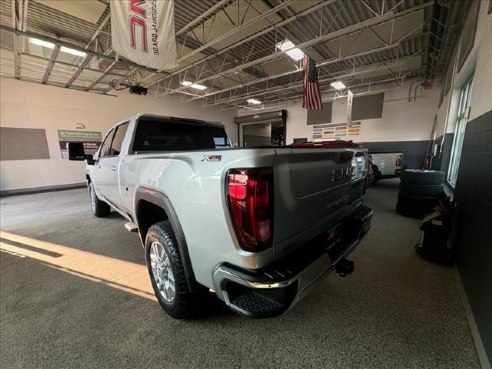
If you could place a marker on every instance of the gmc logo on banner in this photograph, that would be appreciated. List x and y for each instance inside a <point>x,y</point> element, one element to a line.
<point>138,20</point>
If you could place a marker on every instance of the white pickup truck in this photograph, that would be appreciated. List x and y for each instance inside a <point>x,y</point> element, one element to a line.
<point>387,164</point>
<point>258,226</point>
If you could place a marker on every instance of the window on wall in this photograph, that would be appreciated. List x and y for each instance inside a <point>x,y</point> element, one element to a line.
<point>459,132</point>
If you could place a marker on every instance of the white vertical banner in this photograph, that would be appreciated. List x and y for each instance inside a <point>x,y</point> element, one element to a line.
<point>350,100</point>
<point>143,32</point>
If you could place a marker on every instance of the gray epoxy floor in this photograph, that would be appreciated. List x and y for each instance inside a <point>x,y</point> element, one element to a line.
<point>74,294</point>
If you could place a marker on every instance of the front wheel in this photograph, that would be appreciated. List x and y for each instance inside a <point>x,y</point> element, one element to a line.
<point>99,208</point>
<point>167,273</point>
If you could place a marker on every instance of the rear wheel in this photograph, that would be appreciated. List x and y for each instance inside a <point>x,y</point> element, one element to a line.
<point>167,273</point>
<point>376,175</point>
<point>99,208</point>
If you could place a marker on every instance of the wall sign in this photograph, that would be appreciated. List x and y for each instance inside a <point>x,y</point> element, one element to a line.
<point>90,139</point>
<point>336,131</point>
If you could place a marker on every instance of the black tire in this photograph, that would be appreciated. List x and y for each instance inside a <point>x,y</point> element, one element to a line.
<point>416,206</point>
<point>422,177</point>
<point>376,174</point>
<point>185,304</point>
<point>421,190</point>
<point>99,208</point>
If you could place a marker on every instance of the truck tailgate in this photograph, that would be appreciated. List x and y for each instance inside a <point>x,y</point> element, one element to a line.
<point>315,188</point>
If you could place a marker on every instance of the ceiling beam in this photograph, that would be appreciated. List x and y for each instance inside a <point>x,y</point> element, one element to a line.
<point>254,36</point>
<point>235,30</point>
<point>324,38</point>
<point>298,84</point>
<point>296,71</point>
<point>324,98</point>
<point>204,15</point>
<point>104,74</point>
<point>51,64</point>
<point>88,57</point>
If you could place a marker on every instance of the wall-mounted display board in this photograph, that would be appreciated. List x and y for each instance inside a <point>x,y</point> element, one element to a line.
<point>90,139</point>
<point>320,116</point>
<point>368,106</point>
<point>23,144</point>
<point>336,131</point>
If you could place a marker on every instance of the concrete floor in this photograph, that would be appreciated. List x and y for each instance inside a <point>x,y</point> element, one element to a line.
<point>74,294</point>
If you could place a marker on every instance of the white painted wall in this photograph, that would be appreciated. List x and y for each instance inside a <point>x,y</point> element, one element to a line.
<point>29,105</point>
<point>401,120</point>
<point>478,64</point>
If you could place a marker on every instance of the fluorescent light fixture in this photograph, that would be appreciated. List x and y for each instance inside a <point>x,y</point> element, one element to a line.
<point>51,45</point>
<point>196,86</point>
<point>337,85</point>
<point>254,102</point>
<point>73,52</point>
<point>39,42</point>
<point>291,50</point>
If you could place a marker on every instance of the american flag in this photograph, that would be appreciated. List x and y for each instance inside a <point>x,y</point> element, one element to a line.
<point>311,94</point>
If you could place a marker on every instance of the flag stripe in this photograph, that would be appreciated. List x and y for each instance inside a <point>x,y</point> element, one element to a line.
<point>311,94</point>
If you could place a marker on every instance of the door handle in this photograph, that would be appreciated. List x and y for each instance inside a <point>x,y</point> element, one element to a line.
<point>113,167</point>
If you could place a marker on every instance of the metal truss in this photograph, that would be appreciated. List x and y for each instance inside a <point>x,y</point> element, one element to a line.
<point>329,93</point>
<point>324,78</point>
<point>224,57</point>
<point>201,74</point>
<point>19,22</point>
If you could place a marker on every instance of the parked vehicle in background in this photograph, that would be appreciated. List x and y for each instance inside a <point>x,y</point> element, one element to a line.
<point>387,164</point>
<point>258,226</point>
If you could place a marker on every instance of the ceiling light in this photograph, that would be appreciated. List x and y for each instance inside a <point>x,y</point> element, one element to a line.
<point>291,50</point>
<point>186,83</point>
<point>337,85</point>
<point>196,86</point>
<point>39,42</point>
<point>73,51</point>
<point>254,102</point>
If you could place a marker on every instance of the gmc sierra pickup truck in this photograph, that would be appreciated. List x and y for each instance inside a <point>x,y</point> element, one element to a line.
<point>257,226</point>
<point>387,164</point>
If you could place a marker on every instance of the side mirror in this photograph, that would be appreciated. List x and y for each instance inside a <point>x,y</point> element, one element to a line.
<point>90,159</point>
<point>76,151</point>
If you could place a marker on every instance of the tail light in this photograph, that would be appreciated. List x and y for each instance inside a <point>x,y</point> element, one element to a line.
<point>399,160</point>
<point>250,200</point>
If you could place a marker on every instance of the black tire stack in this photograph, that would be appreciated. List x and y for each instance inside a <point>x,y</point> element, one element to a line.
<point>420,192</point>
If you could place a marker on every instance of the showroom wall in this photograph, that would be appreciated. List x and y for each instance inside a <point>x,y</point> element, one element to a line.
<point>473,186</point>
<point>29,105</point>
<point>404,125</point>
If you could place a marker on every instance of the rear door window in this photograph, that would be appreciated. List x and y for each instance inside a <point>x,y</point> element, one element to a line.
<point>106,145</point>
<point>163,135</point>
<point>118,139</point>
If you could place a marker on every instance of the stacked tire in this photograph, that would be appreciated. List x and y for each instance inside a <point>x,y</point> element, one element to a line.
<point>420,192</point>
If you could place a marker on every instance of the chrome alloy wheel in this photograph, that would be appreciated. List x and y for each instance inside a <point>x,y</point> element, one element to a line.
<point>162,271</point>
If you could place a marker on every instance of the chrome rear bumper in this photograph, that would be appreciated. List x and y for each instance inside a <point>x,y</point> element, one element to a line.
<point>273,290</point>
